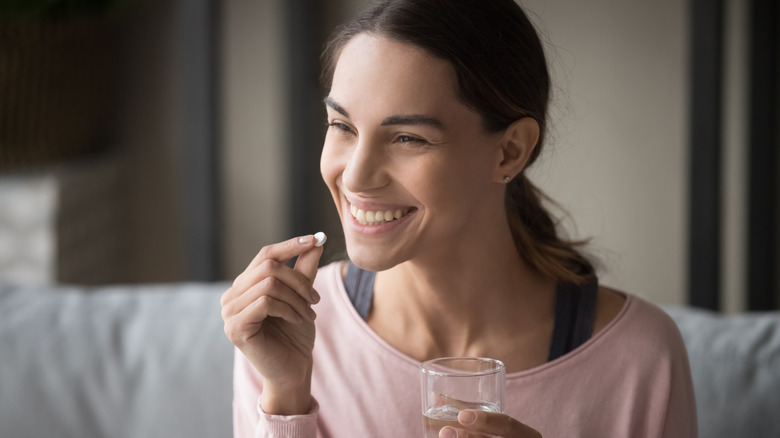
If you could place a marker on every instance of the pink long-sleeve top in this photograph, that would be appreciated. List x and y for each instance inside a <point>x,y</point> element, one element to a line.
<point>631,379</point>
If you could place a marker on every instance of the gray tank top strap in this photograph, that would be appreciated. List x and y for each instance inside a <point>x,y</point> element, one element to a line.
<point>360,288</point>
<point>575,308</point>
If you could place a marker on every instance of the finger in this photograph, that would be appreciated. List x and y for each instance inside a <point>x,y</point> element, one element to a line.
<point>273,287</point>
<point>294,280</point>
<point>308,262</point>
<point>283,251</point>
<point>241,327</point>
<point>493,423</point>
<point>454,432</point>
<point>279,252</point>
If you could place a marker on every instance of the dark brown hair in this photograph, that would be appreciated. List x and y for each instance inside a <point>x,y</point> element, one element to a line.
<point>502,74</point>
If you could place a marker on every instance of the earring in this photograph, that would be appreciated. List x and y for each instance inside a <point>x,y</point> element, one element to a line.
<point>507,179</point>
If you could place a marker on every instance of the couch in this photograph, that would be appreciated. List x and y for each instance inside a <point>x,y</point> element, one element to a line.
<point>149,361</point>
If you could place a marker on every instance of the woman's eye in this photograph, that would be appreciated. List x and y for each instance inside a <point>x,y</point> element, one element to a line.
<point>408,139</point>
<point>339,126</point>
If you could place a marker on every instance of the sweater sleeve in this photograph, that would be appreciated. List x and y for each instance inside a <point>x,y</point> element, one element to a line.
<point>249,420</point>
<point>681,415</point>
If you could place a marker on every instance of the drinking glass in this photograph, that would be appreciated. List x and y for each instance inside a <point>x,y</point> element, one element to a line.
<point>450,384</point>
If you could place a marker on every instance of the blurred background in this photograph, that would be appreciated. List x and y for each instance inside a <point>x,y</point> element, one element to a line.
<point>166,141</point>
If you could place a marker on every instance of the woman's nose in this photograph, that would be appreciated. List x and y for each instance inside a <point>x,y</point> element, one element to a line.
<point>365,169</point>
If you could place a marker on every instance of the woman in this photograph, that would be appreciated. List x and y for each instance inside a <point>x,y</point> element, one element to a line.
<point>435,109</point>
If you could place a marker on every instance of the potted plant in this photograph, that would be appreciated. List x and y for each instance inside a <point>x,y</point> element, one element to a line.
<point>55,74</point>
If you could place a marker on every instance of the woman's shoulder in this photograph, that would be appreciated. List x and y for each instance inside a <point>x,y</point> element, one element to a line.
<point>635,320</point>
<point>609,304</point>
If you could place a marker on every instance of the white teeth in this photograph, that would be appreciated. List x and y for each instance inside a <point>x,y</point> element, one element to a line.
<point>375,217</point>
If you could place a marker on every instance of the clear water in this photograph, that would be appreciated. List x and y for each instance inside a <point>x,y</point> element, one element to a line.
<point>439,416</point>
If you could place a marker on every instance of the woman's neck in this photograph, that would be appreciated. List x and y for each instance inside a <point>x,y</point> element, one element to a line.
<point>464,300</point>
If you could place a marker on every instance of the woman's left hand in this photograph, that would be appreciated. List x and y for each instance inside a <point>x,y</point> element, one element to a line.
<point>475,423</point>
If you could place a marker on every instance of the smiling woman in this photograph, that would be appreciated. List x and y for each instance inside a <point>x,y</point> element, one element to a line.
<point>435,109</point>
<point>411,147</point>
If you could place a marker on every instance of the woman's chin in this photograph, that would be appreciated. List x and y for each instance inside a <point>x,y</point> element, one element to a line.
<point>369,260</point>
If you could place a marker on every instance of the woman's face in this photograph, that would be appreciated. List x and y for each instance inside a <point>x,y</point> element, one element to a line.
<point>410,168</point>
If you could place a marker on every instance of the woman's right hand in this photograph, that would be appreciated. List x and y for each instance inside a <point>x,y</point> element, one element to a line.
<point>268,316</point>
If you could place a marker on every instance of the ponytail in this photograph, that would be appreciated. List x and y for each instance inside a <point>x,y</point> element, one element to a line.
<point>536,238</point>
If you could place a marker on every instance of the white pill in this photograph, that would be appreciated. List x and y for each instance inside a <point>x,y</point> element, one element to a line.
<point>320,238</point>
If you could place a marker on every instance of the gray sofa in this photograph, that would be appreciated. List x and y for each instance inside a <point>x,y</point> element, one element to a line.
<point>152,361</point>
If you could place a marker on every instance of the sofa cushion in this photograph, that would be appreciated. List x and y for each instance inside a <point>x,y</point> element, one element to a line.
<point>124,361</point>
<point>735,364</point>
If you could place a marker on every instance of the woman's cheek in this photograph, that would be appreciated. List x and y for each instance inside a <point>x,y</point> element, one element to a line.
<point>328,163</point>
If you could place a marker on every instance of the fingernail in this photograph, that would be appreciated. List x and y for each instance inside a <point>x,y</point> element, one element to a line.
<point>306,239</point>
<point>311,314</point>
<point>315,297</point>
<point>448,432</point>
<point>467,417</point>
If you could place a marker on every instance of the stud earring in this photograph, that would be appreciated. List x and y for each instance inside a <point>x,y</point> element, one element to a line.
<point>507,179</point>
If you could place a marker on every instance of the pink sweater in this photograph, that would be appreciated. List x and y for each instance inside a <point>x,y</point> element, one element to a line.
<point>632,379</point>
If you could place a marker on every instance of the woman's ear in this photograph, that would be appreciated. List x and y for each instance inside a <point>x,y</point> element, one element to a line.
<point>517,144</point>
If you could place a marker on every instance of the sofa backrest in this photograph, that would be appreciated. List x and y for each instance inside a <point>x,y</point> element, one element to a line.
<point>126,361</point>
<point>735,365</point>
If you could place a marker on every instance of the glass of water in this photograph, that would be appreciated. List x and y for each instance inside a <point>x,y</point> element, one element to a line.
<point>450,384</point>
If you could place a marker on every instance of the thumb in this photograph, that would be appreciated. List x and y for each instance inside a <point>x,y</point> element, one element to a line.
<point>308,262</point>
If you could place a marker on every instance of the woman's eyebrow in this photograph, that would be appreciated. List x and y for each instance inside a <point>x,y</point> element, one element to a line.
<point>338,108</point>
<point>413,119</point>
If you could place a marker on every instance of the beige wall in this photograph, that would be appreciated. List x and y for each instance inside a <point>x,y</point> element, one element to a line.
<point>253,83</point>
<point>617,157</point>
<point>735,160</point>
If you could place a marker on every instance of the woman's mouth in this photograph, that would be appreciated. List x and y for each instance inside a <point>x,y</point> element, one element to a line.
<point>377,217</point>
